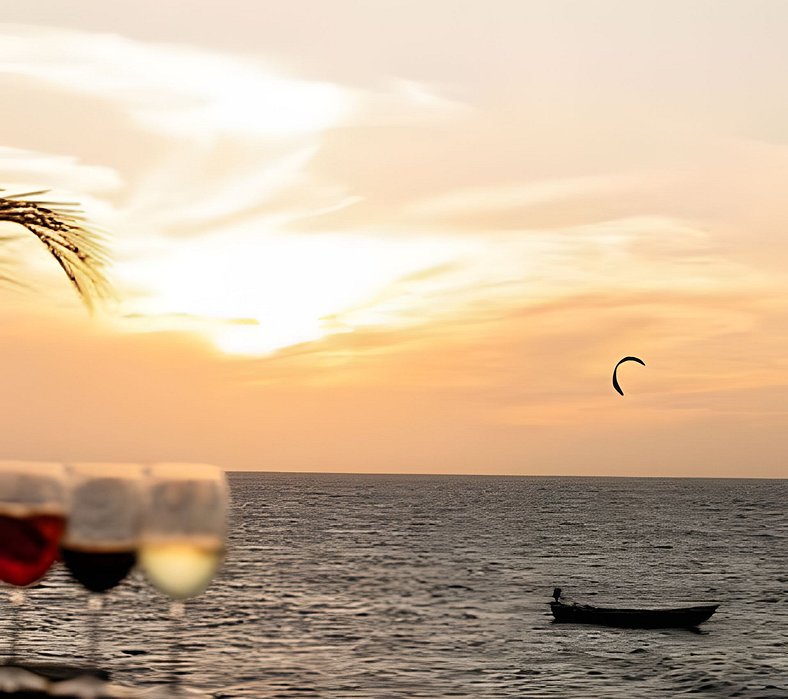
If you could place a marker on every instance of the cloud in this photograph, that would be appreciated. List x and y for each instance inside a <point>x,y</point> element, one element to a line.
<point>25,168</point>
<point>227,176</point>
<point>496,197</point>
<point>233,213</point>
<point>190,93</point>
<point>180,91</point>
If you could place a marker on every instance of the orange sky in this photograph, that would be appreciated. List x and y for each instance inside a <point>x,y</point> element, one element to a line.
<point>405,236</point>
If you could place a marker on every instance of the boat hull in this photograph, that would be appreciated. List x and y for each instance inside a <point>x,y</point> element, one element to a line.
<point>682,617</point>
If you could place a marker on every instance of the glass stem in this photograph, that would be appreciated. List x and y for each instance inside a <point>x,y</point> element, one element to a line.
<point>95,604</point>
<point>177,610</point>
<point>17,600</point>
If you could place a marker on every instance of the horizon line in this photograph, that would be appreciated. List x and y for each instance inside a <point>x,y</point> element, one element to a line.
<point>502,475</point>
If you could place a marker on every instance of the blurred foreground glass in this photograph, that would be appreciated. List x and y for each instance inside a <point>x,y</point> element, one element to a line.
<point>99,547</point>
<point>184,528</point>
<point>183,535</point>
<point>33,507</point>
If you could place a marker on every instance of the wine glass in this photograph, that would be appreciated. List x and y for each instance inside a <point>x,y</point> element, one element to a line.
<point>33,507</point>
<point>99,547</point>
<point>183,532</point>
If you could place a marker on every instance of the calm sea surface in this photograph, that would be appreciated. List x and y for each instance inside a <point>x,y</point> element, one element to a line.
<point>394,586</point>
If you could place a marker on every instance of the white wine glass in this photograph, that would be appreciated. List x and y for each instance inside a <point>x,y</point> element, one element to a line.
<point>184,527</point>
<point>33,509</point>
<point>99,547</point>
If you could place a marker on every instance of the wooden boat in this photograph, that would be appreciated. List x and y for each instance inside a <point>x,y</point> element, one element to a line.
<point>679,617</point>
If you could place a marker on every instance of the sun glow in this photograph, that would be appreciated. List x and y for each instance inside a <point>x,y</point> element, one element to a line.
<point>216,158</point>
<point>254,294</point>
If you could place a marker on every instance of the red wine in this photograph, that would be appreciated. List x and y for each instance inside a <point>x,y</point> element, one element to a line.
<point>98,568</point>
<point>28,546</point>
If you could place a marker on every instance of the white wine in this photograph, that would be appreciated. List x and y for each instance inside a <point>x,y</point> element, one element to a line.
<point>180,568</point>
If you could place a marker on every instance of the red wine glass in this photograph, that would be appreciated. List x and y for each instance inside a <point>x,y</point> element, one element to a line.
<point>99,547</point>
<point>33,507</point>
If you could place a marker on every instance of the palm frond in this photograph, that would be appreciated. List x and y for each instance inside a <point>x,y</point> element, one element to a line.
<point>77,247</point>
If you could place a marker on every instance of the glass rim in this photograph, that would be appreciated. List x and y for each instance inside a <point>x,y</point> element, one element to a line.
<point>32,468</point>
<point>185,471</point>
<point>118,470</point>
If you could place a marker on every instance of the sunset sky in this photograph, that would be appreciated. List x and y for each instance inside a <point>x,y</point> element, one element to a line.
<point>404,236</point>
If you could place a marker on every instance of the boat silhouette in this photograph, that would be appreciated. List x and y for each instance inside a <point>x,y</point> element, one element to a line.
<point>642,618</point>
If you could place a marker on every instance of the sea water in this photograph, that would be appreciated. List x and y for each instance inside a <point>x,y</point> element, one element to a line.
<point>347,586</point>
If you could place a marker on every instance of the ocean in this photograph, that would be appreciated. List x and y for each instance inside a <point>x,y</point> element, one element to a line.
<point>344,586</point>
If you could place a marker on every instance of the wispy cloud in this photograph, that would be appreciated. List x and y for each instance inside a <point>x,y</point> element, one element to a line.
<point>491,198</point>
<point>183,92</point>
<point>21,167</point>
<point>231,174</point>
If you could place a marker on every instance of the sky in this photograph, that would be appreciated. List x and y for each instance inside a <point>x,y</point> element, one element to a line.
<point>404,236</point>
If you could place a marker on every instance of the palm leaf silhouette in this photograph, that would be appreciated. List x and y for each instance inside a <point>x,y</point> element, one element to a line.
<point>76,246</point>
